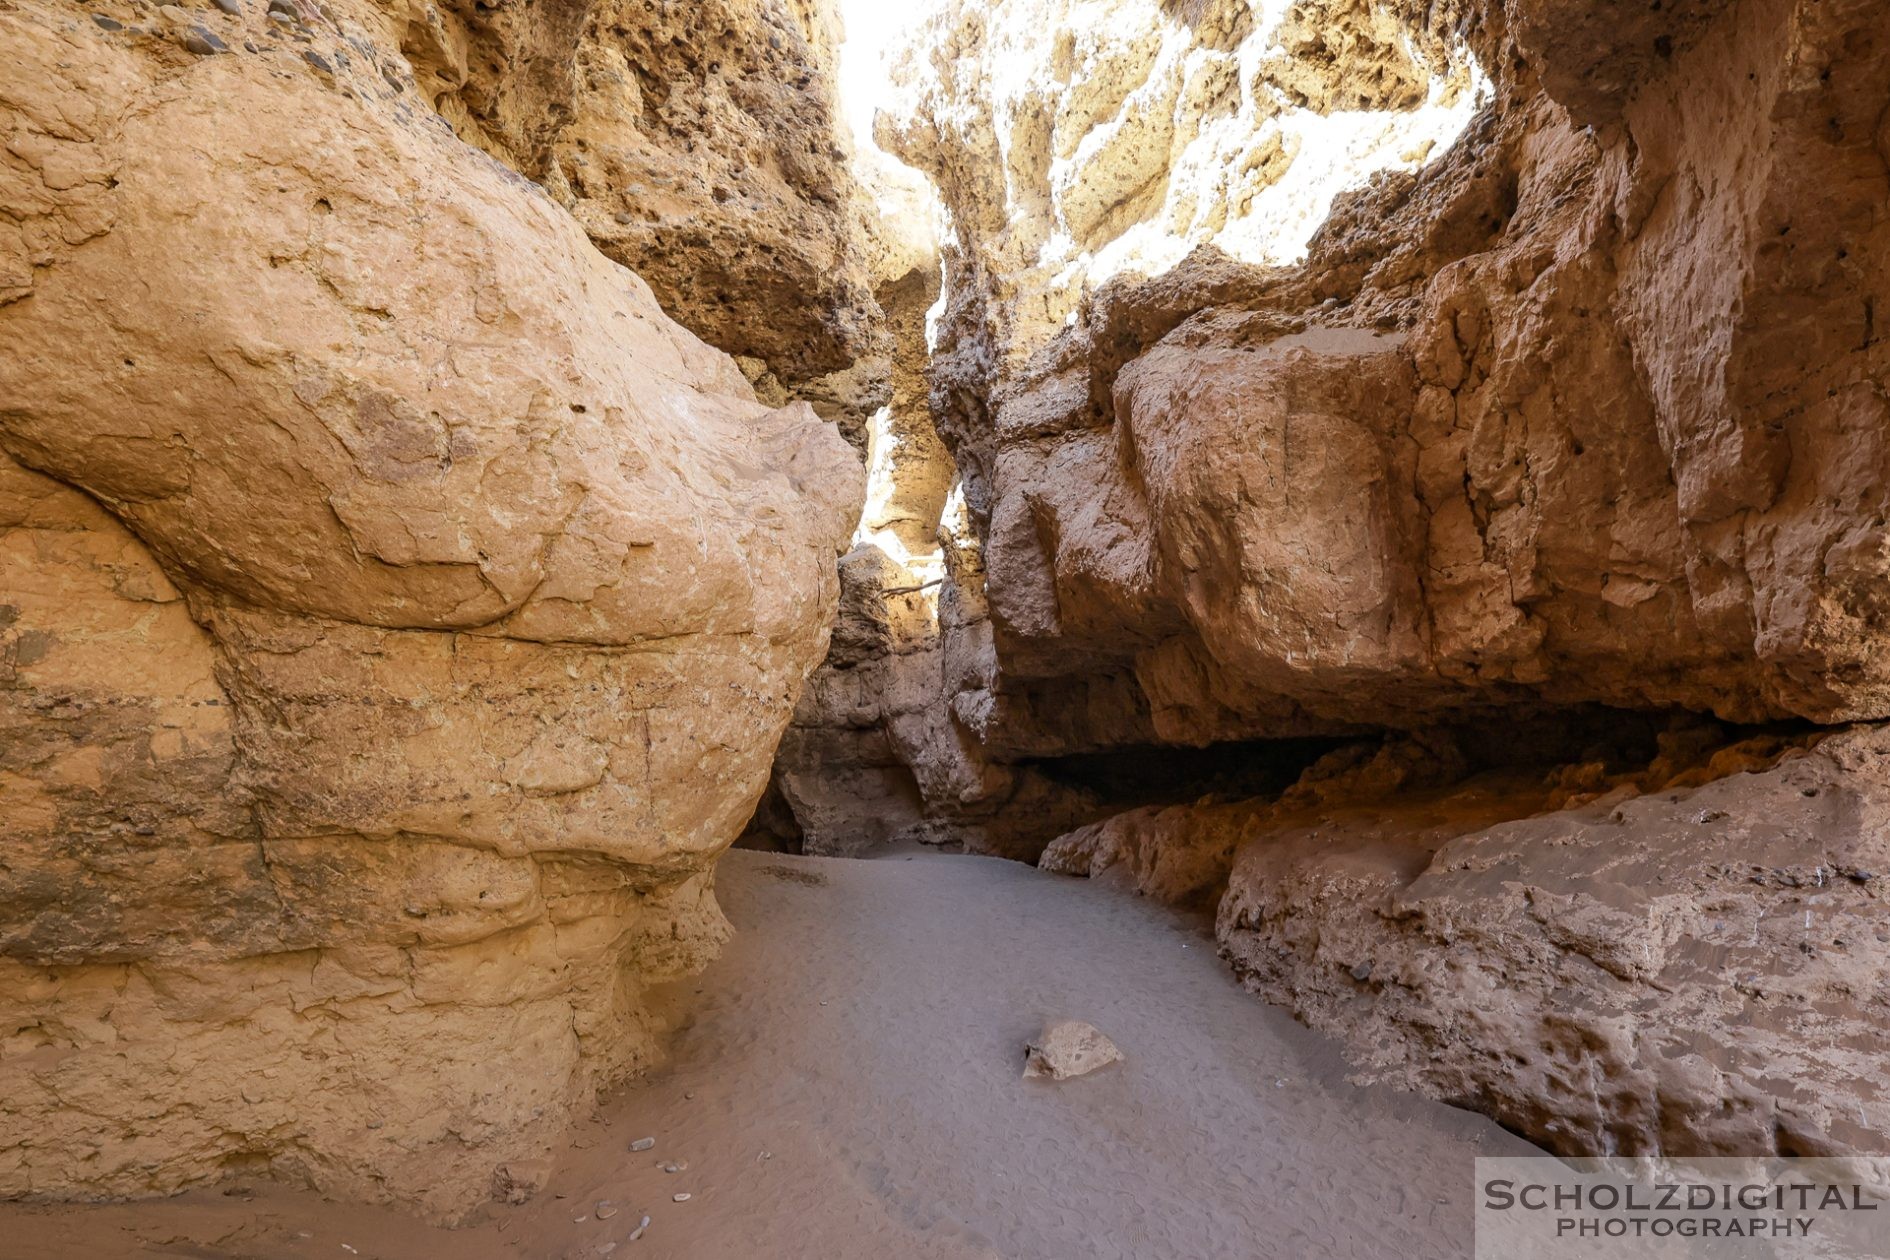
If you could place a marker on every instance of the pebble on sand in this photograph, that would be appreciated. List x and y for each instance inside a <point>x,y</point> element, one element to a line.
<point>1069,1048</point>
<point>680,1198</point>
<point>643,1144</point>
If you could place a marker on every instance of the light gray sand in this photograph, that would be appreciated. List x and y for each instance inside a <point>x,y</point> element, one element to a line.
<point>847,1082</point>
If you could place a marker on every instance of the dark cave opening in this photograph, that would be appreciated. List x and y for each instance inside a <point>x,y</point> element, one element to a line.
<point>1163,774</point>
<point>1593,739</point>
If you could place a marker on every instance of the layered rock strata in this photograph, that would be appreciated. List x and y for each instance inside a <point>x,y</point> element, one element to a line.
<point>1695,970</point>
<point>399,611</point>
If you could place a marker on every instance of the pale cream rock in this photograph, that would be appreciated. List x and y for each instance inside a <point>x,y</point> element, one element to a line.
<point>1069,1048</point>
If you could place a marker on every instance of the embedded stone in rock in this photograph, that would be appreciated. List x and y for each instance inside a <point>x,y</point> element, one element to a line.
<point>1069,1048</point>
<point>203,42</point>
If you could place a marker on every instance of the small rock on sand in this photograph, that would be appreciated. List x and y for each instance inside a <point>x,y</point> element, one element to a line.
<point>1069,1048</point>
<point>643,1144</point>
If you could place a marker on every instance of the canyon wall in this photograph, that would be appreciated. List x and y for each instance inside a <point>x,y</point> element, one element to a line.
<point>1684,963</point>
<point>1409,477</point>
<point>699,145</point>
<point>1587,409</point>
<point>398,610</point>
<point>1502,372</point>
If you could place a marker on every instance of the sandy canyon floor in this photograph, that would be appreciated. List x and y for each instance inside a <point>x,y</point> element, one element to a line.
<point>846,1082</point>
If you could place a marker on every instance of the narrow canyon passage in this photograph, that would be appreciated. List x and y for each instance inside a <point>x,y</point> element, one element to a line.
<point>611,609</point>
<point>846,1081</point>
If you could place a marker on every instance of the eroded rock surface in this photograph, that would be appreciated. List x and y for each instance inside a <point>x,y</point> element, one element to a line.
<point>1320,370</point>
<point>1328,368</point>
<point>1680,957</point>
<point>400,610</point>
<point>1587,408</point>
<point>399,614</point>
<point>1697,970</point>
<point>1069,1048</point>
<point>699,145</point>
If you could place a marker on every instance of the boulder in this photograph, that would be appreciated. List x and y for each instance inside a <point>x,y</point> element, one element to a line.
<point>400,614</point>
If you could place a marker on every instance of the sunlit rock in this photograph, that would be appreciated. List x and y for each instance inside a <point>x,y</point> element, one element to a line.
<point>400,611</point>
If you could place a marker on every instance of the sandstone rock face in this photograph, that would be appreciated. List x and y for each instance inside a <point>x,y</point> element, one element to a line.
<point>1073,141</point>
<point>1175,853</point>
<point>1588,408</point>
<point>399,613</point>
<point>838,774</point>
<point>1318,370</point>
<point>398,610</point>
<point>1697,970</point>
<point>1679,958</point>
<point>698,144</point>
